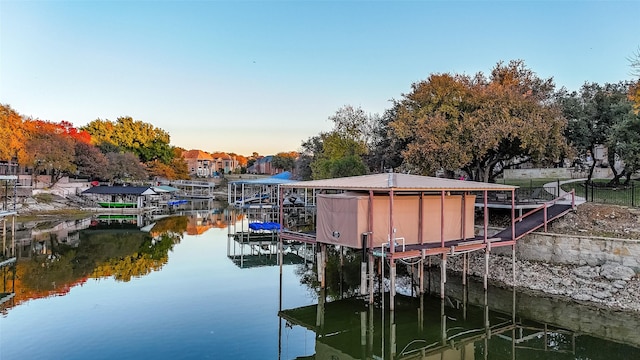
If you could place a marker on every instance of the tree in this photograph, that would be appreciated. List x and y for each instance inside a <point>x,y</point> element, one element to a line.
<point>478,124</point>
<point>624,140</point>
<point>591,114</point>
<point>386,150</point>
<point>310,150</point>
<point>125,167</point>
<point>284,161</point>
<point>50,152</point>
<point>353,123</point>
<point>146,141</point>
<point>634,90</point>
<point>12,135</point>
<point>90,162</point>
<point>337,152</point>
<point>179,165</point>
<point>348,142</point>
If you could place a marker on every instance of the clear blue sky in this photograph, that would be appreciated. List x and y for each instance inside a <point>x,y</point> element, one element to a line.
<point>265,76</point>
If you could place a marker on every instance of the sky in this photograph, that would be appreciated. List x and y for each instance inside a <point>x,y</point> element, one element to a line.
<point>264,76</point>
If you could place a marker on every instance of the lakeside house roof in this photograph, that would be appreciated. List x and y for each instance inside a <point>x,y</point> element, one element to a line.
<point>120,190</point>
<point>398,182</point>
<point>197,154</point>
<point>221,156</point>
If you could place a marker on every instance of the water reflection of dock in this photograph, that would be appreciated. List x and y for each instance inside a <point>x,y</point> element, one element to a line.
<point>8,275</point>
<point>251,249</point>
<point>466,323</point>
<point>428,328</point>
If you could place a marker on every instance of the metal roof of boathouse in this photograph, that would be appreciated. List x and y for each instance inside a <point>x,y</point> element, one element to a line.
<point>399,182</point>
<point>120,190</point>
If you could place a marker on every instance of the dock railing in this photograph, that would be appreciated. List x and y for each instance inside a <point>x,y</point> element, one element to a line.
<point>544,207</point>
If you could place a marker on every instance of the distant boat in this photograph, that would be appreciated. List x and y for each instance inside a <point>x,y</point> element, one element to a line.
<point>177,202</point>
<point>109,204</point>
<point>293,200</point>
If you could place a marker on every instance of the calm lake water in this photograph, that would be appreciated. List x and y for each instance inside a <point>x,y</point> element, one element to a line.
<point>103,288</point>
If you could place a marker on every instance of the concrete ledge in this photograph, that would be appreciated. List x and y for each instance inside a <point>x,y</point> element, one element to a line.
<point>574,249</point>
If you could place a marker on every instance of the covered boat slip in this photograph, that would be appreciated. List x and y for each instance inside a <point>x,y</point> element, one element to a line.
<point>398,217</point>
<point>120,196</point>
<point>417,212</point>
<point>263,193</point>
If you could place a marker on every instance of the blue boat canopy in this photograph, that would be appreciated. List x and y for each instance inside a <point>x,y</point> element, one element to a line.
<point>264,226</point>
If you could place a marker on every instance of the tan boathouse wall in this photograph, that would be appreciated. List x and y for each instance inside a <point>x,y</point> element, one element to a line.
<point>343,218</point>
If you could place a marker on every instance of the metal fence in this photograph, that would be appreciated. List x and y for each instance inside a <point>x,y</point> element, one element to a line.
<point>625,195</point>
<point>524,195</point>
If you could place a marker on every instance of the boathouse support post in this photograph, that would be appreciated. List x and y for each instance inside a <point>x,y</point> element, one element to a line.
<point>443,274</point>
<point>320,310</point>
<point>370,330</point>
<point>486,216</point>
<point>322,258</point>
<point>371,275</point>
<point>486,266</point>
<point>443,323</point>
<point>465,258</point>
<point>363,334</point>
<point>421,241</point>
<point>341,271</point>
<point>392,278</point>
<point>4,236</point>
<point>392,247</point>
<point>513,263</point>
<point>465,288</point>
<point>392,336</point>
<point>369,246</point>
<point>363,264</point>
<point>513,214</point>
<point>421,271</point>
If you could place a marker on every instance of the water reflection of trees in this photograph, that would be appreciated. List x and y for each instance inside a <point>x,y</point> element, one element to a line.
<point>52,267</point>
<point>172,228</point>
<point>121,254</point>
<point>151,255</point>
<point>342,274</point>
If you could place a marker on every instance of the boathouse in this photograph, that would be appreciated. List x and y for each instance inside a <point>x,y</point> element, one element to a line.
<point>258,193</point>
<point>397,217</point>
<point>120,196</point>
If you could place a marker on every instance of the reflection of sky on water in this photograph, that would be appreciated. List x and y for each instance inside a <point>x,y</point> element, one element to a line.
<point>199,305</point>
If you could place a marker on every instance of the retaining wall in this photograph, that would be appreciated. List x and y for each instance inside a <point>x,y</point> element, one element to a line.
<point>576,250</point>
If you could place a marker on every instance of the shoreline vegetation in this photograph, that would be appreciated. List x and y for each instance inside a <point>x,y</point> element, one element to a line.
<point>607,286</point>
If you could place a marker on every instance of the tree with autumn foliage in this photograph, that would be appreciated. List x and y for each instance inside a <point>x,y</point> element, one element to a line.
<point>150,144</point>
<point>479,124</point>
<point>51,147</point>
<point>12,135</point>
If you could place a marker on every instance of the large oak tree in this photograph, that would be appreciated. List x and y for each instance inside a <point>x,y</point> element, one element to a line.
<point>479,124</point>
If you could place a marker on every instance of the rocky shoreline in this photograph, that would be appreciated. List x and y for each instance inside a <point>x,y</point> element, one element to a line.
<point>610,286</point>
